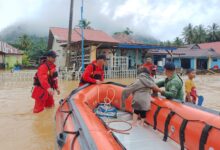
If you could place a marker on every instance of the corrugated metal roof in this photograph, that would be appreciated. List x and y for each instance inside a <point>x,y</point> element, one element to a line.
<point>8,49</point>
<point>61,34</point>
<point>213,45</point>
<point>197,52</point>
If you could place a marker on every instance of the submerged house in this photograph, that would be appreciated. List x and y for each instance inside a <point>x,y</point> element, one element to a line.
<point>198,56</point>
<point>137,51</point>
<point>123,51</point>
<point>9,56</point>
<point>95,41</point>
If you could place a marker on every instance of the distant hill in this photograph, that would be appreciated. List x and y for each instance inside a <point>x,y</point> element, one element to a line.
<point>146,39</point>
<point>12,33</point>
<point>38,44</point>
<point>125,38</point>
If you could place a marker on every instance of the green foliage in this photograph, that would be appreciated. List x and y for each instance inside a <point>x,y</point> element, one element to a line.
<point>213,33</point>
<point>25,43</point>
<point>25,60</point>
<point>177,42</point>
<point>32,46</point>
<point>188,34</point>
<point>128,31</point>
<point>84,23</point>
<point>200,34</point>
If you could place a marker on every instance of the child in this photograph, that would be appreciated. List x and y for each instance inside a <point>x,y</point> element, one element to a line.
<point>141,91</point>
<point>190,88</point>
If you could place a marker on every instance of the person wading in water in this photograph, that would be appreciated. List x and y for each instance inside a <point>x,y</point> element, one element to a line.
<point>45,83</point>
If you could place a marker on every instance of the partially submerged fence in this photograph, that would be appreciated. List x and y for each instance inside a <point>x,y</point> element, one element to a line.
<point>27,76</point>
<point>22,76</point>
<point>113,74</point>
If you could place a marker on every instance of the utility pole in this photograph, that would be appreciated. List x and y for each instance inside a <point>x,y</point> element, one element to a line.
<point>82,34</point>
<point>69,33</point>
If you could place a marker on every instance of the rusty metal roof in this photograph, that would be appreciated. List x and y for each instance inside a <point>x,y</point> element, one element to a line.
<point>61,34</point>
<point>197,52</point>
<point>213,45</point>
<point>8,49</point>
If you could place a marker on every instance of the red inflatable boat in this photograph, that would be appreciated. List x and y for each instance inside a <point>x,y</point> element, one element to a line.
<point>170,125</point>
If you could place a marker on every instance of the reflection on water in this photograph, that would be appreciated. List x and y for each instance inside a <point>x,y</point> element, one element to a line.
<point>20,129</point>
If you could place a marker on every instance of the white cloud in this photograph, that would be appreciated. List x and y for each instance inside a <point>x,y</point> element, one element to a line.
<point>163,19</point>
<point>13,10</point>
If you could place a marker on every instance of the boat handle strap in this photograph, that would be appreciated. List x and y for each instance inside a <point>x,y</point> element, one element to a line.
<point>182,133</point>
<point>155,117</point>
<point>204,136</point>
<point>166,126</point>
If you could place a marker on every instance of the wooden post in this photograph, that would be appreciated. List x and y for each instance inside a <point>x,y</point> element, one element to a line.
<point>93,53</point>
<point>209,62</point>
<point>68,53</point>
<point>136,59</point>
<point>195,64</point>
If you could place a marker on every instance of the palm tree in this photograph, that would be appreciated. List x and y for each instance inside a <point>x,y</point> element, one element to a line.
<point>25,43</point>
<point>127,31</point>
<point>167,43</point>
<point>195,38</point>
<point>84,23</point>
<point>201,32</point>
<point>161,43</point>
<point>213,31</point>
<point>178,42</point>
<point>188,34</point>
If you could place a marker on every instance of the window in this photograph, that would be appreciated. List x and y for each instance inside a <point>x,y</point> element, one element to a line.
<point>214,59</point>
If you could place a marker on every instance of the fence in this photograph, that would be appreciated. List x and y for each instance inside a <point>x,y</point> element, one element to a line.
<point>17,76</point>
<point>112,74</point>
<point>27,76</point>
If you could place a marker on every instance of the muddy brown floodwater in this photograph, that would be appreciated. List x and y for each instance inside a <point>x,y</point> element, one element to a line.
<point>20,129</point>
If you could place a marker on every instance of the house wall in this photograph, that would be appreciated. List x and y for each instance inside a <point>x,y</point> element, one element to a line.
<point>12,60</point>
<point>132,58</point>
<point>140,59</point>
<point>177,62</point>
<point>61,58</point>
<point>159,60</point>
<point>215,61</point>
<point>192,63</point>
<point>1,59</point>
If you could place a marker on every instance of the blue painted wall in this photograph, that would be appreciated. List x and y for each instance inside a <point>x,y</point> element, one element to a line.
<point>177,62</point>
<point>192,63</point>
<point>213,63</point>
<point>132,55</point>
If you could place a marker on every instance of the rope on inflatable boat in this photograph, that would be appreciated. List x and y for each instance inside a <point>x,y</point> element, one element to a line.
<point>107,106</point>
<point>124,131</point>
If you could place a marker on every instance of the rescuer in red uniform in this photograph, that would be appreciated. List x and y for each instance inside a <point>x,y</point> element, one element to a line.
<point>94,72</point>
<point>45,83</point>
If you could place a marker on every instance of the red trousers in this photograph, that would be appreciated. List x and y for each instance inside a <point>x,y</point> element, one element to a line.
<point>42,99</point>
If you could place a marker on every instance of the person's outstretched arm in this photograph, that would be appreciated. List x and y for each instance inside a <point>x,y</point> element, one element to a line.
<point>161,83</point>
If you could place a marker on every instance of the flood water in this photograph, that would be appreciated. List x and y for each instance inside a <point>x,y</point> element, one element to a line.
<point>21,129</point>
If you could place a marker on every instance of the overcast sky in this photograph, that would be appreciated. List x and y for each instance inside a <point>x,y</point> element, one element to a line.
<point>162,19</point>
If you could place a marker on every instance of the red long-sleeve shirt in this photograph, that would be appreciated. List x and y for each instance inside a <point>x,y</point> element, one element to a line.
<point>90,71</point>
<point>43,75</point>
